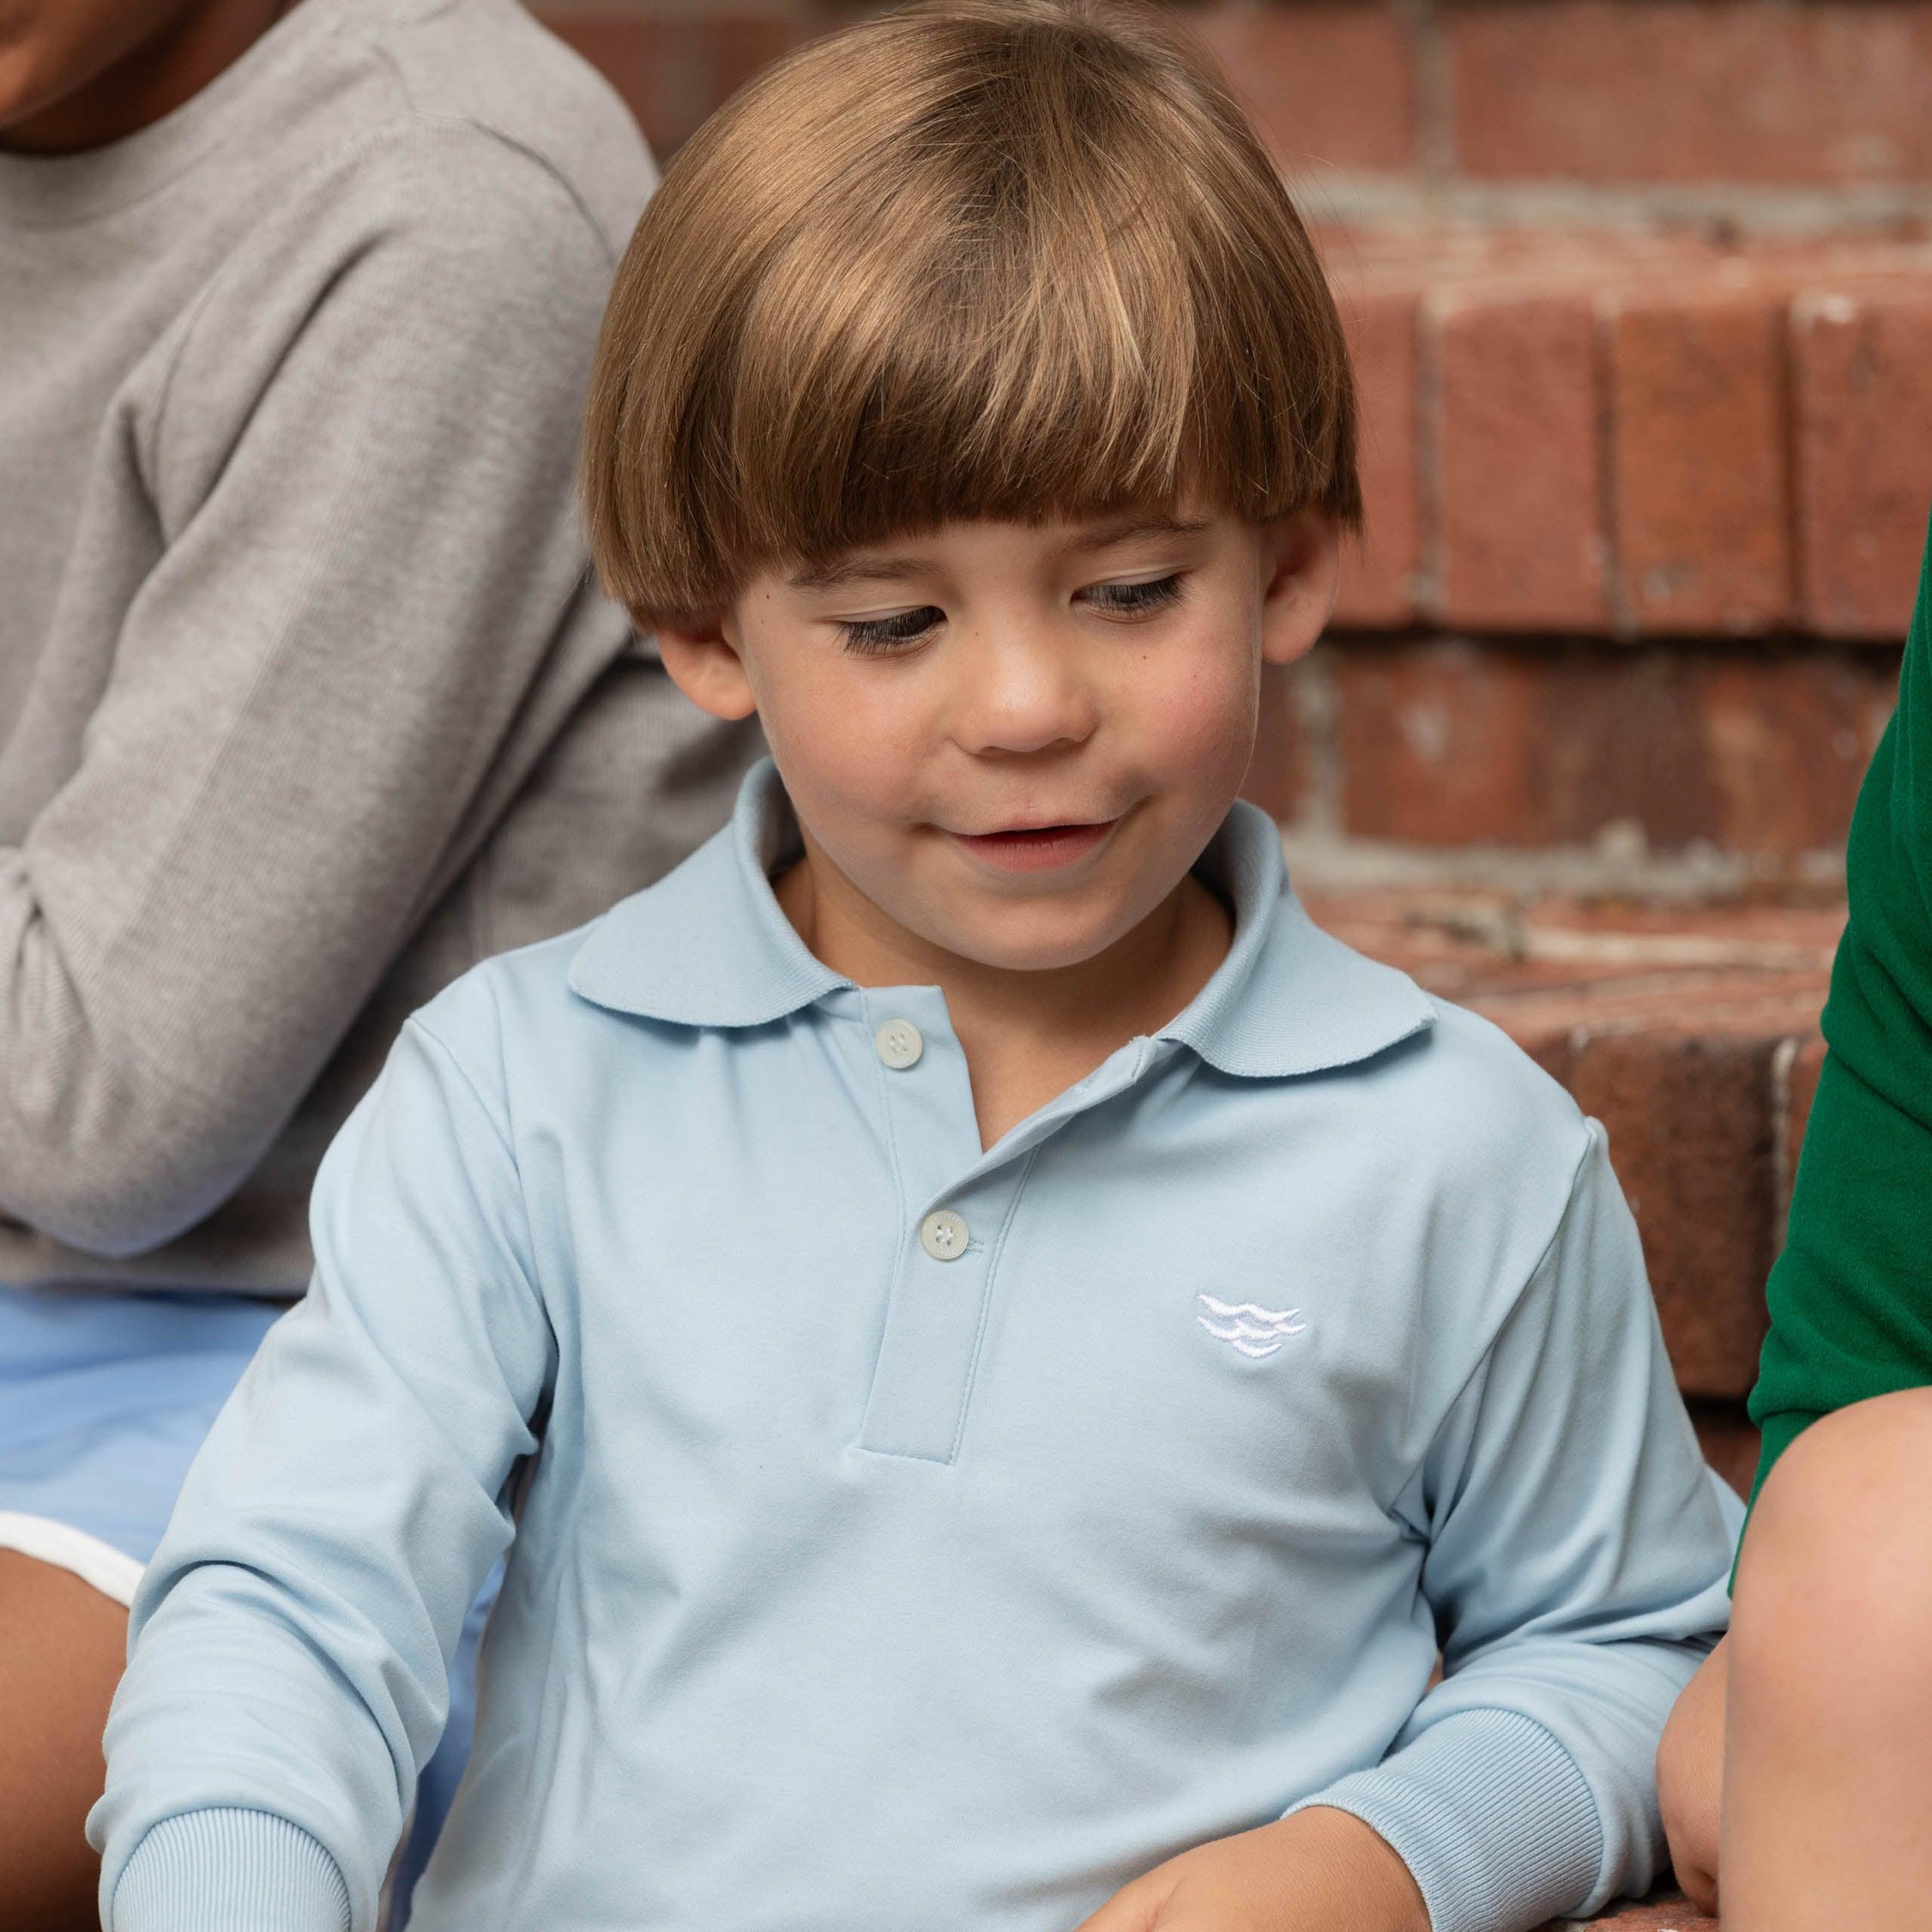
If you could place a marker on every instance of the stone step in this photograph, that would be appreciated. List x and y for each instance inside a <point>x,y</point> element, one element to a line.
<point>1690,1031</point>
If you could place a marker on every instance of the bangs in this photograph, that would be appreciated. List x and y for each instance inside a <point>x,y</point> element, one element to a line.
<point>1061,279</point>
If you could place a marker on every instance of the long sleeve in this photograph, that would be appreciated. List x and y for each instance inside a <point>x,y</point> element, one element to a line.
<point>290,1642</point>
<point>1576,1549</point>
<point>1850,1295</point>
<point>354,476</point>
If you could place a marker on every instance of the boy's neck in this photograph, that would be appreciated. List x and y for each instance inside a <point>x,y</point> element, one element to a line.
<point>1027,1035</point>
<point>195,44</point>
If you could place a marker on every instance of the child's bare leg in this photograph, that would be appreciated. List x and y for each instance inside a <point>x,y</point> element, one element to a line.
<point>1827,1791</point>
<point>1690,1779</point>
<point>62,1645</point>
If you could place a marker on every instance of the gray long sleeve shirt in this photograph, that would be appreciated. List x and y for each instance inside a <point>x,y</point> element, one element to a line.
<point>307,700</point>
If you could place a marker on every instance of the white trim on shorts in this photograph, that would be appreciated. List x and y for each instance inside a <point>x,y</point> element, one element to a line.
<point>112,1572</point>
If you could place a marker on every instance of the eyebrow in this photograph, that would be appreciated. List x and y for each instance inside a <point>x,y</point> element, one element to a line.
<point>886,570</point>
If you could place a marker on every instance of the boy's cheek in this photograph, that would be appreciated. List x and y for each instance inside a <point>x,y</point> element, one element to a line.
<point>850,773</point>
<point>1197,721</point>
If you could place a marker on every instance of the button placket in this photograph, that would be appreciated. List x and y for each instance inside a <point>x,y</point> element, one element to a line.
<point>922,1380</point>
<point>957,1199</point>
<point>940,1274</point>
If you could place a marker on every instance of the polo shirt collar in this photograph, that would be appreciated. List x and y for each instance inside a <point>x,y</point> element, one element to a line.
<point>708,946</point>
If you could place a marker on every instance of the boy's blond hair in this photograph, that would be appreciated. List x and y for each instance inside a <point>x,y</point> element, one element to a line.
<point>1012,259</point>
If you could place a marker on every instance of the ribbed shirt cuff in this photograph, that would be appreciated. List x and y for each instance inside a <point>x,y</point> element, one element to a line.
<point>229,1870</point>
<point>1491,1816</point>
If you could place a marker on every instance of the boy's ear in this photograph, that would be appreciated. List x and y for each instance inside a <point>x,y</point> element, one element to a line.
<point>706,664</point>
<point>1301,564</point>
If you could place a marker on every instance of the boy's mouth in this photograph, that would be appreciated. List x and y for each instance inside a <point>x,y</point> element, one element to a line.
<point>1035,848</point>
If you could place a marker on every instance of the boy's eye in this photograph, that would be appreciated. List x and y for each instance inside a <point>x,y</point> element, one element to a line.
<point>879,635</point>
<point>1133,598</point>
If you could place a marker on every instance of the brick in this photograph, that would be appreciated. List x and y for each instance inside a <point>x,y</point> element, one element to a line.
<point>1699,490</point>
<point>1729,1441</point>
<point>1378,586</point>
<point>1861,380</point>
<point>1278,774</point>
<point>1322,83</point>
<point>1453,744</point>
<point>1431,748</point>
<point>1805,1061</point>
<point>673,67</point>
<point>1803,1090</point>
<point>1517,479</point>
<point>1764,411</point>
<point>1553,1015</point>
<point>1449,744</point>
<point>1690,1135</point>
<point>1783,741</point>
<point>1692,91</point>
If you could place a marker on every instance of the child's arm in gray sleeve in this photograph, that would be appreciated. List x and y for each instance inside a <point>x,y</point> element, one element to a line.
<point>290,1642</point>
<point>370,587</point>
<point>1578,1545</point>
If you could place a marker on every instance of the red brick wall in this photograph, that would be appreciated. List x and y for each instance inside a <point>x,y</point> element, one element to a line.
<point>1702,92</point>
<point>1692,91</point>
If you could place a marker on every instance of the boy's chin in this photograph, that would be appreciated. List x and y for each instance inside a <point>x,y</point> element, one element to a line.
<point>1029,945</point>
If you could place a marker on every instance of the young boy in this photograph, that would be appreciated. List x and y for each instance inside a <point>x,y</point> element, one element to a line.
<point>306,704</point>
<point>997,1351</point>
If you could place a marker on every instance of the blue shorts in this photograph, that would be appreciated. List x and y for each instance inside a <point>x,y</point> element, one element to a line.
<point>104,1399</point>
<point>105,1396</point>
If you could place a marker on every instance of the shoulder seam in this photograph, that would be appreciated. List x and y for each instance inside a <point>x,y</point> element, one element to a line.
<point>533,1273</point>
<point>447,1052</point>
<point>1591,1130</point>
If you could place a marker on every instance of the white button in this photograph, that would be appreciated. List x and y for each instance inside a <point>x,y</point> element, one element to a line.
<point>943,1234</point>
<point>899,1043</point>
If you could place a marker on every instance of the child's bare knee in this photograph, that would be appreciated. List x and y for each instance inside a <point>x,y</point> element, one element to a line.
<point>1856,1478</point>
<point>1835,1574</point>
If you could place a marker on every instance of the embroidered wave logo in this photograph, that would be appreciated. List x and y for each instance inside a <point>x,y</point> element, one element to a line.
<point>1247,1327</point>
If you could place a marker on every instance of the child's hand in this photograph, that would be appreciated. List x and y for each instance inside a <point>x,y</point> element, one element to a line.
<point>1320,1871</point>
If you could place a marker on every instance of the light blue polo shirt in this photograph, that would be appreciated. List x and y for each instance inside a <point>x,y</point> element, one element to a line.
<point>912,1538</point>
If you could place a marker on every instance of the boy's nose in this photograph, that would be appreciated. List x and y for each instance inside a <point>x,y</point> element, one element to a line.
<point>1019,693</point>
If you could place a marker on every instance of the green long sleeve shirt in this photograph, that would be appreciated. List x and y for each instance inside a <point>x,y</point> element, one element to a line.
<point>1851,1297</point>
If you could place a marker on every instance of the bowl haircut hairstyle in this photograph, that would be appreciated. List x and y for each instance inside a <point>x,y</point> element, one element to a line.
<point>1018,260</point>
